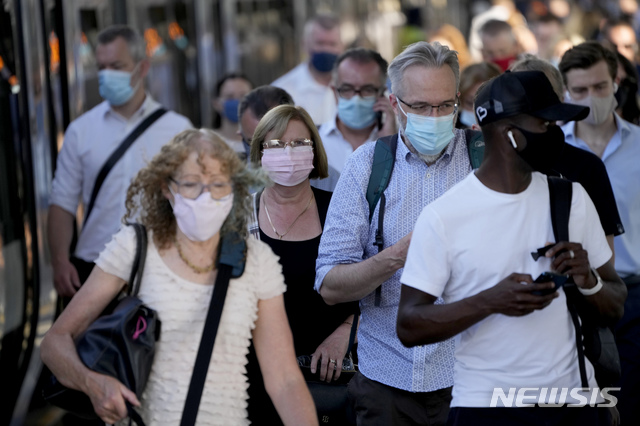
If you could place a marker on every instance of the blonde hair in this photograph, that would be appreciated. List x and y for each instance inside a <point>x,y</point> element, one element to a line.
<point>458,43</point>
<point>276,121</point>
<point>146,195</point>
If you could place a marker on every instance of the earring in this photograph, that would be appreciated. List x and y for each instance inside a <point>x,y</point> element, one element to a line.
<point>512,139</point>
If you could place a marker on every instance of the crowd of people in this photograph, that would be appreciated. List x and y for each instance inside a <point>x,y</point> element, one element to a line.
<point>357,186</point>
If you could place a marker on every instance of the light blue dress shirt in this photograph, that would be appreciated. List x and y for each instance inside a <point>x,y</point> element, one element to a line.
<point>349,238</point>
<point>621,157</point>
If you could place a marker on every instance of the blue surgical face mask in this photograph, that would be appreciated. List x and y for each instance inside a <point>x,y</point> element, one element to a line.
<point>357,112</point>
<point>115,86</point>
<point>323,61</point>
<point>231,109</point>
<point>429,135</point>
<point>468,118</point>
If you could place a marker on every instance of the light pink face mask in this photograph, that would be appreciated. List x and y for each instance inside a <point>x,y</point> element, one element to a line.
<point>289,166</point>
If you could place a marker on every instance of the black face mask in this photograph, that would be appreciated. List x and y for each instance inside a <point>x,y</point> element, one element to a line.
<point>543,149</point>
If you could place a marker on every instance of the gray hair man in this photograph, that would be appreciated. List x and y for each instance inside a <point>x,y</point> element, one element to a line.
<point>396,385</point>
<point>89,141</point>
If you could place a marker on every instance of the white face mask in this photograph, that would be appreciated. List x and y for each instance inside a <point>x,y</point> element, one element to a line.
<point>202,218</point>
<point>601,108</point>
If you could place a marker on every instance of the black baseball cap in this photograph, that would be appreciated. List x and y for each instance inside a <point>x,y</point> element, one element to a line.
<point>523,92</point>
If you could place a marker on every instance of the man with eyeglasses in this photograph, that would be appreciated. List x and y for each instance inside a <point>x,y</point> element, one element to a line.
<point>396,385</point>
<point>364,113</point>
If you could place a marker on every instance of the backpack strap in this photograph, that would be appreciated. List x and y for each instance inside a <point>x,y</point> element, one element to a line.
<point>384,157</point>
<point>560,194</point>
<point>475,146</point>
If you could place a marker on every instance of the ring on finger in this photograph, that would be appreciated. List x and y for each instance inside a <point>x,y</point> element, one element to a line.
<point>332,361</point>
<point>572,254</point>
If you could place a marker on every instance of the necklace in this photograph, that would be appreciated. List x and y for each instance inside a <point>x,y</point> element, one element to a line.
<point>290,226</point>
<point>194,268</point>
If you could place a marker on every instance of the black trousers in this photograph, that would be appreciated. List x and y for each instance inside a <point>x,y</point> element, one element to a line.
<point>83,267</point>
<point>627,333</point>
<point>378,404</point>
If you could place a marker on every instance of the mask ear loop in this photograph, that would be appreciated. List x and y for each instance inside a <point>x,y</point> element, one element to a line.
<point>512,139</point>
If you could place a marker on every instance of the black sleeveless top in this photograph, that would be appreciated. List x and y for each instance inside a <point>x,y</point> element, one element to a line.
<point>310,318</point>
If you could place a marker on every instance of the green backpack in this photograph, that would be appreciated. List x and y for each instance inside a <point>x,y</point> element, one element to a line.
<point>384,157</point>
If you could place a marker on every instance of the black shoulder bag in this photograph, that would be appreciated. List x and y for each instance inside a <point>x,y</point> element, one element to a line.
<point>231,264</point>
<point>331,398</point>
<point>120,343</point>
<point>599,344</point>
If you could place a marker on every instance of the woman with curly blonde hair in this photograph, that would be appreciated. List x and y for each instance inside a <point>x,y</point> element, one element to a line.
<point>193,193</point>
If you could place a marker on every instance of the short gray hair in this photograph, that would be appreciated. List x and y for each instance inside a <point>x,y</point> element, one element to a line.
<point>428,55</point>
<point>137,45</point>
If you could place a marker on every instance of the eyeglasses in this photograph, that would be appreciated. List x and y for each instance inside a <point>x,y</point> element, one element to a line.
<point>277,143</point>
<point>423,108</point>
<point>347,92</point>
<point>192,189</point>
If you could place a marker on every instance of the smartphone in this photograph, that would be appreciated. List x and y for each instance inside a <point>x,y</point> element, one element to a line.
<point>558,279</point>
<point>379,119</point>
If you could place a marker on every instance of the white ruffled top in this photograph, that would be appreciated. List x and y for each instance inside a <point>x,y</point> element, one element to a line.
<point>182,307</point>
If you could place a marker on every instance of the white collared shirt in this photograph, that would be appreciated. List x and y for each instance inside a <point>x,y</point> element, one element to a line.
<point>88,143</point>
<point>317,99</point>
<point>338,149</point>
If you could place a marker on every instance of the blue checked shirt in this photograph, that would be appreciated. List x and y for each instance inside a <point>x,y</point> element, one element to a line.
<point>349,238</point>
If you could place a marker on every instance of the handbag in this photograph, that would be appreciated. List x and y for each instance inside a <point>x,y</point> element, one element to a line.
<point>120,343</point>
<point>594,340</point>
<point>332,398</point>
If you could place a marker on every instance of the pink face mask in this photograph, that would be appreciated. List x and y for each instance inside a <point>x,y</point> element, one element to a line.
<point>288,166</point>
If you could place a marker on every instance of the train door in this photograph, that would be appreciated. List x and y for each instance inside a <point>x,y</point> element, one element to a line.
<point>27,298</point>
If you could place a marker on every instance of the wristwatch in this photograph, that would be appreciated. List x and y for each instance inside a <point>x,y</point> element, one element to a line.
<point>594,289</point>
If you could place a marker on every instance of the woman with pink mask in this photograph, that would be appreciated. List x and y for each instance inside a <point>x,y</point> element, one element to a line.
<point>289,217</point>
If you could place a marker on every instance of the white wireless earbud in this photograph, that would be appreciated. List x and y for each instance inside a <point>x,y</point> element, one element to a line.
<point>513,140</point>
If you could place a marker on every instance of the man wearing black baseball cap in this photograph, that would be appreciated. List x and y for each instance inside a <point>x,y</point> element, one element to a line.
<point>515,337</point>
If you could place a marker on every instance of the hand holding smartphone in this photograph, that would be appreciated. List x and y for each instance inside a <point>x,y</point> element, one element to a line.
<point>558,279</point>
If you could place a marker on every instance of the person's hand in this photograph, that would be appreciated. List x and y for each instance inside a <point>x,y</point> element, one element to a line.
<point>108,397</point>
<point>383,106</point>
<point>65,278</point>
<point>330,353</point>
<point>513,298</point>
<point>571,259</point>
<point>399,250</point>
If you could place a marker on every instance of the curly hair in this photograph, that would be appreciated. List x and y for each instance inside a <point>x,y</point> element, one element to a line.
<point>146,200</point>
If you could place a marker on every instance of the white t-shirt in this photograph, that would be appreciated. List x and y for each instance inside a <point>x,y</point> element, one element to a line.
<point>470,239</point>
<point>317,99</point>
<point>182,307</point>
